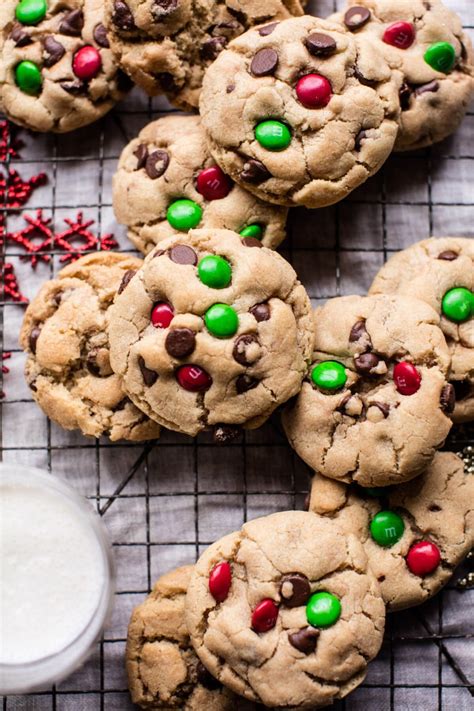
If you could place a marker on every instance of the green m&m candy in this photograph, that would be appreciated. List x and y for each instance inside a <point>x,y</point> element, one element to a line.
<point>183,215</point>
<point>215,271</point>
<point>30,12</point>
<point>273,135</point>
<point>458,304</point>
<point>329,375</point>
<point>441,56</point>
<point>28,77</point>
<point>252,231</point>
<point>386,528</point>
<point>221,320</point>
<point>323,609</point>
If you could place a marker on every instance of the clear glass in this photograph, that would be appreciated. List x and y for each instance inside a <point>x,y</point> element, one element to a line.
<point>30,676</point>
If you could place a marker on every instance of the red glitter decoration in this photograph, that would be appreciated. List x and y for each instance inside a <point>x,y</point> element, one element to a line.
<point>15,192</point>
<point>10,283</point>
<point>10,144</point>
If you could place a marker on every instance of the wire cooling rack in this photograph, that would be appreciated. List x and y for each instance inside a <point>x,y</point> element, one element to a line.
<point>164,502</point>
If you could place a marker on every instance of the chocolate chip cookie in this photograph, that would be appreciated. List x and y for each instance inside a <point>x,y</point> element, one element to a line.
<point>440,271</point>
<point>285,611</point>
<point>375,404</point>
<point>290,116</point>
<point>167,183</point>
<point>163,669</point>
<point>214,331</point>
<point>68,365</point>
<point>425,43</point>
<point>57,72</point>
<point>414,534</point>
<point>166,45</point>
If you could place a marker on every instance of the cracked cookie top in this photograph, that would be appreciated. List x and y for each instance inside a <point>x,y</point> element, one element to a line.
<point>163,669</point>
<point>440,271</point>
<point>374,406</point>
<point>166,45</point>
<point>288,597</point>
<point>68,364</point>
<point>167,182</point>
<point>425,43</point>
<point>56,70</point>
<point>291,117</point>
<point>214,331</point>
<point>414,534</point>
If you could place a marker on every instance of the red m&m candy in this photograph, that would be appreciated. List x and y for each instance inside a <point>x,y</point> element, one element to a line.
<point>86,63</point>
<point>213,183</point>
<point>314,91</point>
<point>400,34</point>
<point>220,580</point>
<point>407,378</point>
<point>193,378</point>
<point>264,616</point>
<point>423,558</point>
<point>162,314</point>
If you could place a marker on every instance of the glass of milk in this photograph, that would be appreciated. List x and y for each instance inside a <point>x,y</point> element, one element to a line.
<point>56,579</point>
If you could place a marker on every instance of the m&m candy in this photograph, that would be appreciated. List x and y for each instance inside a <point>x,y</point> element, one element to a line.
<point>193,378</point>
<point>458,304</point>
<point>273,135</point>
<point>323,609</point>
<point>400,34</point>
<point>86,63</point>
<point>329,375</point>
<point>441,56</point>
<point>406,377</point>
<point>215,271</point>
<point>264,616</point>
<point>213,183</point>
<point>386,528</point>
<point>254,230</point>
<point>161,315</point>
<point>221,320</point>
<point>184,214</point>
<point>220,580</point>
<point>423,558</point>
<point>28,78</point>
<point>314,91</point>
<point>30,12</point>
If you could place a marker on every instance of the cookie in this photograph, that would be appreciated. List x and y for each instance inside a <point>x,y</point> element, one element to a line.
<point>163,669</point>
<point>285,611</point>
<point>290,116</point>
<point>215,331</point>
<point>414,534</point>
<point>166,45</point>
<point>167,183</point>
<point>68,365</point>
<point>57,72</point>
<point>440,271</point>
<point>375,404</point>
<point>425,43</point>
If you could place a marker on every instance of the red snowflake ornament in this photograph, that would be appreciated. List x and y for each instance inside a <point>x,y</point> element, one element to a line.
<point>10,144</point>
<point>11,289</point>
<point>78,230</point>
<point>37,228</point>
<point>15,192</point>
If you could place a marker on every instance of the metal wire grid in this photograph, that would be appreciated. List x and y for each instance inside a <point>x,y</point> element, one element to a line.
<point>165,502</point>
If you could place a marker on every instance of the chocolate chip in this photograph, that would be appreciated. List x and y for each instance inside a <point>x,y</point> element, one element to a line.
<point>180,342</point>
<point>122,16</point>
<point>264,62</point>
<point>320,45</point>
<point>58,297</point>
<point>182,254</point>
<point>363,79</point>
<point>141,154</point>
<point>356,17</point>
<point>366,362</point>
<point>448,255</point>
<point>267,29</point>
<point>431,87</point>
<point>251,242</point>
<point>223,434</point>
<point>344,401</point>
<point>242,348</point>
<point>261,312</point>
<point>206,679</point>
<point>462,389</point>
<point>20,37</point>
<point>434,508</point>
<point>230,88</point>
<point>382,406</point>
<point>361,136</point>
<point>33,339</point>
<point>254,171</point>
<point>211,48</point>
<point>158,253</point>
<point>448,398</point>
<point>100,36</point>
<point>156,164</point>
<point>162,8</point>
<point>295,590</point>
<point>76,86</point>
<point>126,279</point>
<point>404,96</point>
<point>54,51</point>
<point>358,331</point>
<point>149,376</point>
<point>304,640</point>
<point>91,363</point>
<point>244,383</point>
<point>72,23</point>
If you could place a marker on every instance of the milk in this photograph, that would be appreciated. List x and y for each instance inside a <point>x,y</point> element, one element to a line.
<point>53,576</point>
